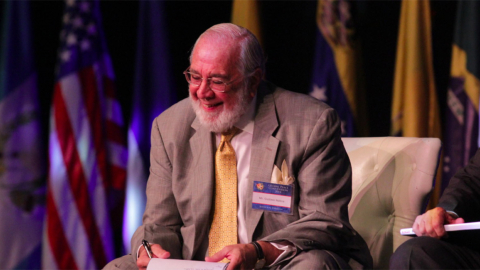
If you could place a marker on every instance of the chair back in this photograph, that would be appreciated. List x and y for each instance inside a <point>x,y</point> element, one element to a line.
<point>392,178</point>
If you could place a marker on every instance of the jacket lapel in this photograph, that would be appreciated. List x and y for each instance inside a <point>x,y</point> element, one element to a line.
<point>202,189</point>
<point>264,149</point>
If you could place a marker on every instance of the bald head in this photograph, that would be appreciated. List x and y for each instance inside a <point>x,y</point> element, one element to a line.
<point>239,41</point>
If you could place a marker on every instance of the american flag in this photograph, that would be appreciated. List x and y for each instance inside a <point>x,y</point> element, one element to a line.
<point>87,148</point>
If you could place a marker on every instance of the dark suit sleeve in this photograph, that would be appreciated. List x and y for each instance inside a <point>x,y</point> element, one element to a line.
<point>325,187</point>
<point>164,228</point>
<point>462,194</point>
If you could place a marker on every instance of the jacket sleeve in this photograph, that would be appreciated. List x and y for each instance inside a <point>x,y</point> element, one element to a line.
<point>462,194</point>
<point>161,219</point>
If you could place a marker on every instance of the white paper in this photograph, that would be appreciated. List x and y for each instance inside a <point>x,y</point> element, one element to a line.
<point>171,264</point>
<point>449,228</point>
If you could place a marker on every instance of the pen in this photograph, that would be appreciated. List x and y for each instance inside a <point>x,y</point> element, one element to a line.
<point>146,245</point>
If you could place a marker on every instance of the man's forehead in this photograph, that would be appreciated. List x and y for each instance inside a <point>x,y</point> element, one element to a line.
<point>212,45</point>
<point>213,74</point>
<point>218,58</point>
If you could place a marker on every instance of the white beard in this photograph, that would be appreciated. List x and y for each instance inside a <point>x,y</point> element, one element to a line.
<point>222,121</point>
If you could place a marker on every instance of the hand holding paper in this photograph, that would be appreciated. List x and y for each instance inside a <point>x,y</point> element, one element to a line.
<point>432,223</point>
<point>241,256</point>
<point>244,256</point>
<point>171,264</point>
<point>157,252</point>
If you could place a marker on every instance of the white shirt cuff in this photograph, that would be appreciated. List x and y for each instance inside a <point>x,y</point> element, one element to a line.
<point>287,250</point>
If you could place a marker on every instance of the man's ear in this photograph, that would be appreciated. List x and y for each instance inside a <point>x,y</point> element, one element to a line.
<point>255,81</point>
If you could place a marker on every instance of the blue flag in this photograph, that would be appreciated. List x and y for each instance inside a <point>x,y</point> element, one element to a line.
<point>22,167</point>
<point>153,93</point>
<point>334,78</point>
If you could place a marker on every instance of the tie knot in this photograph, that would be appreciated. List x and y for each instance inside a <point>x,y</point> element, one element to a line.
<point>228,135</point>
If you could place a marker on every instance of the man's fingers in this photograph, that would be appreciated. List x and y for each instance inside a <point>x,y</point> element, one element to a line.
<point>159,252</point>
<point>433,223</point>
<point>234,264</point>
<point>430,230</point>
<point>142,260</point>
<point>142,263</point>
<point>418,226</point>
<point>438,225</point>
<point>217,256</point>
<point>451,220</point>
<point>458,221</point>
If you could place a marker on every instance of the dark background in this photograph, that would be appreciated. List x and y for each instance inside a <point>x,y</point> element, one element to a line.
<point>288,34</point>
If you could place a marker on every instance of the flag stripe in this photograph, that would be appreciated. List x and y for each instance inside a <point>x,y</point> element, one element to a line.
<point>115,133</point>
<point>119,155</point>
<point>114,112</point>
<point>66,207</point>
<point>59,244</point>
<point>76,177</point>
<point>109,88</point>
<point>119,176</point>
<point>92,102</point>
<point>70,86</point>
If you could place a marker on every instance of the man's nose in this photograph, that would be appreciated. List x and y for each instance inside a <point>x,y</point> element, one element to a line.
<point>204,91</point>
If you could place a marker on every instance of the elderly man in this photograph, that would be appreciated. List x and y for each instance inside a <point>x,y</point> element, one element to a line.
<point>214,154</point>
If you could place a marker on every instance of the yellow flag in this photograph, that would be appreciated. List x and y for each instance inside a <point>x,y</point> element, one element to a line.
<point>415,111</point>
<point>245,14</point>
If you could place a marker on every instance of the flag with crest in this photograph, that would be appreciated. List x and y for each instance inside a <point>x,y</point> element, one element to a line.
<point>461,128</point>
<point>335,78</point>
<point>22,155</point>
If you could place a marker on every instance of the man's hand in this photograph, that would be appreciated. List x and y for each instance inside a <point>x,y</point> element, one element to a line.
<point>432,223</point>
<point>157,252</point>
<point>244,256</point>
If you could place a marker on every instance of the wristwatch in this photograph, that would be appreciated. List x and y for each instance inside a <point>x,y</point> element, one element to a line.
<point>260,256</point>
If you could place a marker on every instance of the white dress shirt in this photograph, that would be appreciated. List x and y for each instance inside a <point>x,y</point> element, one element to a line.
<point>242,144</point>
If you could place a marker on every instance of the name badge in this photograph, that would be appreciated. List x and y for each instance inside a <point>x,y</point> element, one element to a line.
<point>272,197</point>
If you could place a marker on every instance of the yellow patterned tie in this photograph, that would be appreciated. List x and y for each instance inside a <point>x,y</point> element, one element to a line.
<point>223,231</point>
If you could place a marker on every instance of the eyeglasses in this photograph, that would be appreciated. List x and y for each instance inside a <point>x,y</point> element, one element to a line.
<point>216,84</point>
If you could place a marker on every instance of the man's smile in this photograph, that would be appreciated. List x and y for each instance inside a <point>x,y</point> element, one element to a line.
<point>210,107</point>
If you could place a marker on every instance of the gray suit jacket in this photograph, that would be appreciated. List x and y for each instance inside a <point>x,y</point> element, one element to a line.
<point>288,126</point>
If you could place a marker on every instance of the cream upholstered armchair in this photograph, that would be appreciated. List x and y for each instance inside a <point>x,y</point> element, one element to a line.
<point>391,183</point>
